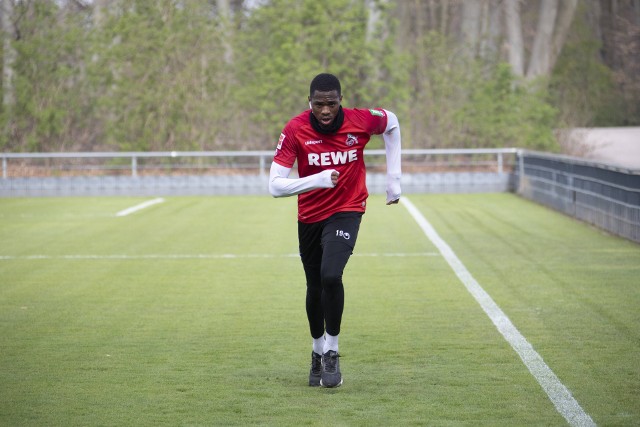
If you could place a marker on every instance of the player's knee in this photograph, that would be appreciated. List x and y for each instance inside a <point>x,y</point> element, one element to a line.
<point>314,290</point>
<point>331,280</point>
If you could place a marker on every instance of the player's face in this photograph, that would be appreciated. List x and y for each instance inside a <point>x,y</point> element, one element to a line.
<point>325,106</point>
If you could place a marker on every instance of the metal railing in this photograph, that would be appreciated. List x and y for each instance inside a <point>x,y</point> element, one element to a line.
<point>603,195</point>
<point>133,158</point>
<point>158,162</point>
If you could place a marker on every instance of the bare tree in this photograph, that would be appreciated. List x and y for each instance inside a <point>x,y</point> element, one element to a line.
<point>541,52</point>
<point>9,54</point>
<point>480,27</point>
<point>224,13</point>
<point>550,36</point>
<point>470,25</point>
<point>620,23</point>
<point>563,25</point>
<point>491,28</point>
<point>99,11</point>
<point>554,22</point>
<point>373,19</point>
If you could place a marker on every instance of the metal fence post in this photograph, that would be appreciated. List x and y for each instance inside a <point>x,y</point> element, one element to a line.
<point>262,165</point>
<point>4,167</point>
<point>134,166</point>
<point>520,157</point>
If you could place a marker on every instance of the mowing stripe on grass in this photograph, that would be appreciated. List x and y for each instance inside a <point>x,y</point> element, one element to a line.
<point>195,256</point>
<point>561,397</point>
<point>143,205</point>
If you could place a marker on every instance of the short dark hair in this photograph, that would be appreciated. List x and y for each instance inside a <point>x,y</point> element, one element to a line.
<point>325,82</point>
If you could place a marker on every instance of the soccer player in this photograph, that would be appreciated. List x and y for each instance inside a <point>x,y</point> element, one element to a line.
<point>328,141</point>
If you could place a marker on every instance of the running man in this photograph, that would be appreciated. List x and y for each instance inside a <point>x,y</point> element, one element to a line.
<point>328,142</point>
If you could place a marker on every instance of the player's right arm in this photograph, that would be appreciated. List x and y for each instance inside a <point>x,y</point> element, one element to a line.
<point>280,185</point>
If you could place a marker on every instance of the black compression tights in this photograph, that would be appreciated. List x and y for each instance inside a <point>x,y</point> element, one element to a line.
<point>325,292</point>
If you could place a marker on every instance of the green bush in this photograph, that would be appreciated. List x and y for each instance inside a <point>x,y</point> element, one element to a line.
<point>503,112</point>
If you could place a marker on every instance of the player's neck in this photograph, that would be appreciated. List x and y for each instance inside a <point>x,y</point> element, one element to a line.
<point>333,128</point>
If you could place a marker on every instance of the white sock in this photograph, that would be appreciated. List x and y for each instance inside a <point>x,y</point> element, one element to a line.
<point>330,343</point>
<point>318,345</point>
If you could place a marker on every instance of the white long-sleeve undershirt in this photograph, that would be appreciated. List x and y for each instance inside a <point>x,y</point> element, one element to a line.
<point>393,150</point>
<point>280,185</point>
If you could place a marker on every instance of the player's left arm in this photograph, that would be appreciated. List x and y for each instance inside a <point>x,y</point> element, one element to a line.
<point>392,146</point>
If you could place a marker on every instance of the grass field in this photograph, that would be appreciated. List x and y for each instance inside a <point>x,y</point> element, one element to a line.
<point>191,312</point>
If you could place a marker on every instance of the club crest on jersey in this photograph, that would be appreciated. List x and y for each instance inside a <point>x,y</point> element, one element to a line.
<point>351,140</point>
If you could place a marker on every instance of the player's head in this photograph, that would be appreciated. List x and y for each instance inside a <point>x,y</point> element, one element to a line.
<point>325,82</point>
<point>325,96</point>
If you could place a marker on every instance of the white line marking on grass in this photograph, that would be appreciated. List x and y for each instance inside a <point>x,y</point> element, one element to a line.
<point>561,397</point>
<point>143,205</point>
<point>194,256</point>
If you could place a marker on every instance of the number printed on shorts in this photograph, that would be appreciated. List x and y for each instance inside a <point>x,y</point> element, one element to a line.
<point>340,233</point>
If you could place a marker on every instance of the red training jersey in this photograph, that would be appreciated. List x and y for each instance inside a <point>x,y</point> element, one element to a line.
<point>343,151</point>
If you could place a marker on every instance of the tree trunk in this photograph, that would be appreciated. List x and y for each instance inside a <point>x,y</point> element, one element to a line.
<point>562,29</point>
<point>470,31</point>
<point>9,55</point>
<point>444,17</point>
<point>551,35</point>
<point>491,28</point>
<point>540,62</point>
<point>376,32</point>
<point>514,36</point>
<point>99,10</point>
<point>224,13</point>
<point>373,20</point>
<point>432,7</point>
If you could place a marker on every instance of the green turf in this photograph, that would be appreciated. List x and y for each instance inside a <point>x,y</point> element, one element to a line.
<point>139,330</point>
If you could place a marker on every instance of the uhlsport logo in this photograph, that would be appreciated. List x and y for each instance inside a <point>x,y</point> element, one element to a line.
<point>351,140</point>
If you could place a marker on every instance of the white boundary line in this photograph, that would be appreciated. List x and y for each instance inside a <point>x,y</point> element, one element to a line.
<point>143,205</point>
<point>561,397</point>
<point>195,256</point>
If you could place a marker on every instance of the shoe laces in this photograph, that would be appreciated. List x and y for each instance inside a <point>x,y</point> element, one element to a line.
<point>316,364</point>
<point>331,361</point>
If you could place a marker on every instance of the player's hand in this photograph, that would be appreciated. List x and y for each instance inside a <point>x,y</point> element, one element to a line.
<point>334,177</point>
<point>393,189</point>
<point>328,178</point>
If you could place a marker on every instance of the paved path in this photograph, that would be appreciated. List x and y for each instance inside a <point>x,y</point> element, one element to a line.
<point>618,146</point>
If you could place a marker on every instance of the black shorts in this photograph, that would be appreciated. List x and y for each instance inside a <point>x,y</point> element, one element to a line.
<point>341,227</point>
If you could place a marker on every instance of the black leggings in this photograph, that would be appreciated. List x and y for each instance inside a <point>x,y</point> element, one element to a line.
<point>325,248</point>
